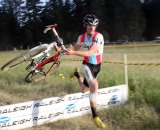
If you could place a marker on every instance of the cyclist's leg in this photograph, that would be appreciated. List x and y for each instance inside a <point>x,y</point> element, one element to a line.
<point>84,87</point>
<point>90,83</point>
<point>90,76</point>
<point>93,86</point>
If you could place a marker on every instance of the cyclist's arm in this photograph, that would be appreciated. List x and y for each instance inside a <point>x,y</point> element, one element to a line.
<point>97,47</point>
<point>77,47</point>
<point>88,53</point>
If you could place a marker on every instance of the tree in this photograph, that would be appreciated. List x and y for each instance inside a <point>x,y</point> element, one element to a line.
<point>152,15</point>
<point>125,19</point>
<point>119,20</point>
<point>79,13</point>
<point>97,7</point>
<point>67,23</point>
<point>32,22</point>
<point>52,14</point>
<point>53,10</point>
<point>9,23</point>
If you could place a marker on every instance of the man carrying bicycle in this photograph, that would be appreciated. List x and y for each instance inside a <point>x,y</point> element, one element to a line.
<point>93,43</point>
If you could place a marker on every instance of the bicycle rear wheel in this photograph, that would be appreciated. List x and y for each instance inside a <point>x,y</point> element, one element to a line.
<point>41,73</point>
<point>24,57</point>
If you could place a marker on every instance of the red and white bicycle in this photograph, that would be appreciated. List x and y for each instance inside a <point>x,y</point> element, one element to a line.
<point>40,63</point>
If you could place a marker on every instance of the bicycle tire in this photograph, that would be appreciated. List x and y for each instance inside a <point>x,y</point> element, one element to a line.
<point>24,57</point>
<point>34,76</point>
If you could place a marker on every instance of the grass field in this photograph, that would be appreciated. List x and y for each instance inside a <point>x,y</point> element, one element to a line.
<point>142,112</point>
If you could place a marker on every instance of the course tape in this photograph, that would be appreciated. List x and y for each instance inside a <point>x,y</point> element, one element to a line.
<point>138,64</point>
<point>130,45</point>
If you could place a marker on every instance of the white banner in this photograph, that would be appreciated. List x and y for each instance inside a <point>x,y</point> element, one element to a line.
<point>28,114</point>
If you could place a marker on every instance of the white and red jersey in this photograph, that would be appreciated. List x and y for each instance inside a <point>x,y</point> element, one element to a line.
<point>97,39</point>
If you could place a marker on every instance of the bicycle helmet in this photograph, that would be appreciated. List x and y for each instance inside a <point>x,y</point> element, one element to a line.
<point>91,19</point>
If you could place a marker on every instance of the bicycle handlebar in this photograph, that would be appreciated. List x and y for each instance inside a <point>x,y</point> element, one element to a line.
<point>49,27</point>
<point>52,27</point>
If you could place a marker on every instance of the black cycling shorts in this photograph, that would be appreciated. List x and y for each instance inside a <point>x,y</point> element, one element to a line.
<point>90,72</point>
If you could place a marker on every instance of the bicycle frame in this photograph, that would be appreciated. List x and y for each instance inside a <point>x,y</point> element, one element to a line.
<point>41,64</point>
<point>53,59</point>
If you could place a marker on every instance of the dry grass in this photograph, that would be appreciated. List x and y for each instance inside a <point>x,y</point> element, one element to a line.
<point>141,112</point>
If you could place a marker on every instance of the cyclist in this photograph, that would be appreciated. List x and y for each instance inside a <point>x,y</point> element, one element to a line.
<point>93,43</point>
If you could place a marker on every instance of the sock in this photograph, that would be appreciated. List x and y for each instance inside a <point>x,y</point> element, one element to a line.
<point>94,113</point>
<point>77,74</point>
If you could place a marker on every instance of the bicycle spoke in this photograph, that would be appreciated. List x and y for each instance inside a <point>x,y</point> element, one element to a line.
<point>41,73</point>
<point>24,57</point>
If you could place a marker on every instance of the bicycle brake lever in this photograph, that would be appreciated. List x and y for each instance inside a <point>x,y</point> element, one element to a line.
<point>47,29</point>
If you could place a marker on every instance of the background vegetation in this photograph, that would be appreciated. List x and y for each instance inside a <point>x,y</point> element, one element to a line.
<point>142,112</point>
<point>23,21</point>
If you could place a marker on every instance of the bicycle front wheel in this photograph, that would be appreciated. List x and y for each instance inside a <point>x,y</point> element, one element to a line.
<point>24,57</point>
<point>41,73</point>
